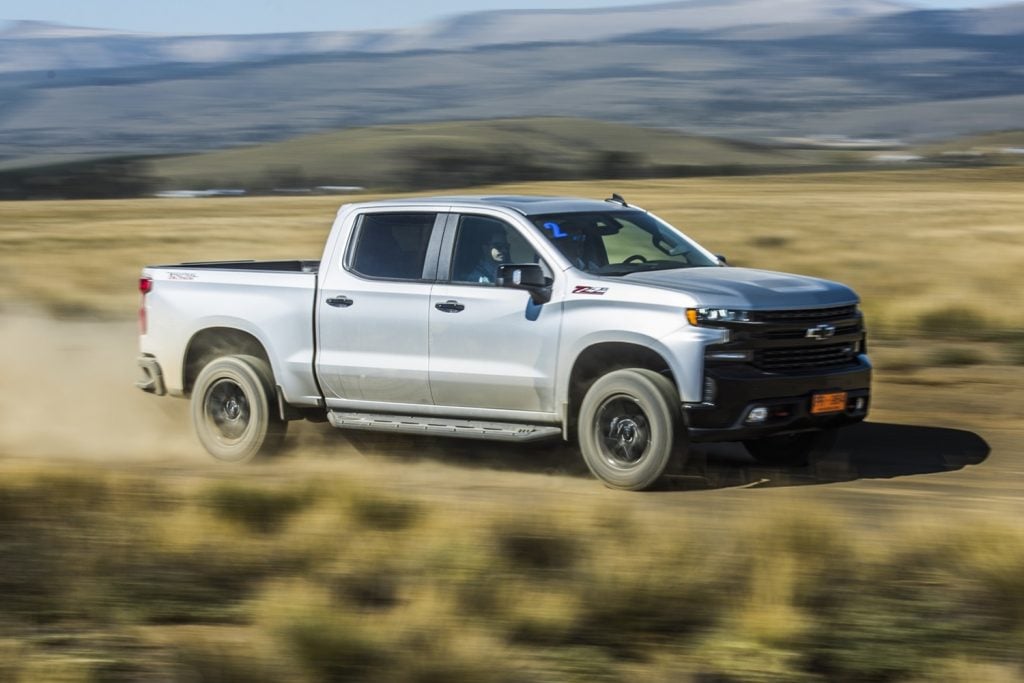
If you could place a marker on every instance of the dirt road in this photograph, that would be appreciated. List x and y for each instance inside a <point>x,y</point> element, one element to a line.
<point>946,440</point>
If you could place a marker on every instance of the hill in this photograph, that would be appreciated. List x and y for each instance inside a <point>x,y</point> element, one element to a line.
<point>1004,143</point>
<point>445,154</point>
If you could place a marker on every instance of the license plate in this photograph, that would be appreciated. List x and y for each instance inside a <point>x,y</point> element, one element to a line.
<point>832,402</point>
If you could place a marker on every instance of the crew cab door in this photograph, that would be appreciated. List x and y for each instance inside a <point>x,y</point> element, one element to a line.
<point>372,310</point>
<point>490,347</point>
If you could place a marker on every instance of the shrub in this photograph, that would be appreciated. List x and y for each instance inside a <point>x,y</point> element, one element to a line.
<point>1016,351</point>
<point>261,510</point>
<point>954,322</point>
<point>336,648</point>
<point>956,357</point>
<point>770,241</point>
<point>373,511</point>
<point>535,545</point>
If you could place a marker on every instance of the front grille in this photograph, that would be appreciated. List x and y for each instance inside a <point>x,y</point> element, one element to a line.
<point>801,332</point>
<point>810,357</point>
<point>805,315</point>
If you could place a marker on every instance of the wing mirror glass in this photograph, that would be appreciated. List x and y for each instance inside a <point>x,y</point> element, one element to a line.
<point>528,276</point>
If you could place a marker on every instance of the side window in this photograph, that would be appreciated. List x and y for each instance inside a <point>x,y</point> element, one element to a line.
<point>391,245</point>
<point>482,244</point>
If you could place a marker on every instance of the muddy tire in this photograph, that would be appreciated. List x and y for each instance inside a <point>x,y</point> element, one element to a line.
<point>793,449</point>
<point>234,411</point>
<point>630,426</point>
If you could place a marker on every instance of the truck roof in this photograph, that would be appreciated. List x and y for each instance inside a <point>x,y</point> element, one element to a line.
<point>528,205</point>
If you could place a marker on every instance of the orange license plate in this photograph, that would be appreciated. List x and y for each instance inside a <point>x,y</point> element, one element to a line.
<point>832,402</point>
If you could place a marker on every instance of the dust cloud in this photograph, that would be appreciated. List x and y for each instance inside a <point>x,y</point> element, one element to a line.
<point>67,391</point>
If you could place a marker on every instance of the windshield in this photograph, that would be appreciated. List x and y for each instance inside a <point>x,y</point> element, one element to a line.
<point>619,242</point>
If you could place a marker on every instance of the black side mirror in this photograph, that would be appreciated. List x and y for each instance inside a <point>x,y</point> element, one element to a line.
<point>528,276</point>
<point>722,259</point>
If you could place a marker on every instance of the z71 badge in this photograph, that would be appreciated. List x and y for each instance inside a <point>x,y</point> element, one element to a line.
<point>586,289</point>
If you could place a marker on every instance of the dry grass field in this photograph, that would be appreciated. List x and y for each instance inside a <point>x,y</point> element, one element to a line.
<point>912,243</point>
<point>127,556</point>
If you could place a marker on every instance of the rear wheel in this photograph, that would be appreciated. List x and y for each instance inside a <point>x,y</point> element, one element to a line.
<point>233,412</point>
<point>628,426</point>
<point>793,449</point>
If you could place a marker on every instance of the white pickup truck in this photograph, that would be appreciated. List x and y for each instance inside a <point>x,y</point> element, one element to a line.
<point>515,318</point>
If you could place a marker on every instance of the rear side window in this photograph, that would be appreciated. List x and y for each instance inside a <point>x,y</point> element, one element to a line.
<point>392,246</point>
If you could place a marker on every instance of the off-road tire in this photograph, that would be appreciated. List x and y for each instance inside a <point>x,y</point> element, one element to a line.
<point>630,425</point>
<point>234,410</point>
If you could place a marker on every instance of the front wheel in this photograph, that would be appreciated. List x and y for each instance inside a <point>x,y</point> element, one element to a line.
<point>232,410</point>
<point>628,425</point>
<point>798,449</point>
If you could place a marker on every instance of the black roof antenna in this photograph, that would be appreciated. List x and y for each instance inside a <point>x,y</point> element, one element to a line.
<point>617,198</point>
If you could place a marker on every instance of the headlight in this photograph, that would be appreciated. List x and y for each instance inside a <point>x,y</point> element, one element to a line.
<point>712,316</point>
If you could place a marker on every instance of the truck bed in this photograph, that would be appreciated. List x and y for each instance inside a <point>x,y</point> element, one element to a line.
<point>272,301</point>
<point>283,266</point>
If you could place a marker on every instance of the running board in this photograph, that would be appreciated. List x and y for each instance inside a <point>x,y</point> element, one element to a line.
<point>439,426</point>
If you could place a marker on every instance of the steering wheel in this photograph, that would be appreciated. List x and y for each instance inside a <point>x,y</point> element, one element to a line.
<point>638,258</point>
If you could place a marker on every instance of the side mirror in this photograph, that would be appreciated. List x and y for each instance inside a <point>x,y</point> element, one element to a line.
<point>528,276</point>
<point>722,259</point>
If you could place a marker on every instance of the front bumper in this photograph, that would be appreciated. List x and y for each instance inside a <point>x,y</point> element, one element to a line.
<point>152,381</point>
<point>787,398</point>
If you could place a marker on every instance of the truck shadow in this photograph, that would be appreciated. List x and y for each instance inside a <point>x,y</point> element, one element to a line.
<point>870,450</point>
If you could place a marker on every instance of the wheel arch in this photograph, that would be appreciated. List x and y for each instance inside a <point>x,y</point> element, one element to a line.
<point>600,358</point>
<point>214,342</point>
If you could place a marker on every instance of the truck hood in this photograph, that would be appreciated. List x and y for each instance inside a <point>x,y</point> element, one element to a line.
<point>747,288</point>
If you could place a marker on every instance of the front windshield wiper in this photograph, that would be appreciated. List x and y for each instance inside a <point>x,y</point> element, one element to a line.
<point>647,267</point>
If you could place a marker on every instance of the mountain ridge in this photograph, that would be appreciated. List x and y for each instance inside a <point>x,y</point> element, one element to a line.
<point>101,48</point>
<point>917,74</point>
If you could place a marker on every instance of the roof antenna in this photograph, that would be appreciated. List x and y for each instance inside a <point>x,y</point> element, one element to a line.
<point>617,198</point>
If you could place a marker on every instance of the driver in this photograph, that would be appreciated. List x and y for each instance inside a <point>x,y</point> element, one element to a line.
<point>494,251</point>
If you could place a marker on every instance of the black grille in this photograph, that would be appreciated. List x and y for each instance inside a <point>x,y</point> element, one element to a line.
<point>805,357</point>
<point>808,315</point>
<point>801,332</point>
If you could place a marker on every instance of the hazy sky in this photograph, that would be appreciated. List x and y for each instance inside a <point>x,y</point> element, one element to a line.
<point>272,16</point>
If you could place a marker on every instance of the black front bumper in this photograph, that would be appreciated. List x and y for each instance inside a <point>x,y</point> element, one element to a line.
<point>787,397</point>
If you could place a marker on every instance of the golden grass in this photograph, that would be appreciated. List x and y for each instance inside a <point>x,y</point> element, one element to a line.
<point>150,581</point>
<point>279,574</point>
<point>911,243</point>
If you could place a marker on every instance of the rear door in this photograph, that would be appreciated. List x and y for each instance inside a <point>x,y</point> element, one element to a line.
<point>490,347</point>
<point>373,308</point>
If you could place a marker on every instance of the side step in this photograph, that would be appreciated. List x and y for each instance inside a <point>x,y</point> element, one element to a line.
<point>441,426</point>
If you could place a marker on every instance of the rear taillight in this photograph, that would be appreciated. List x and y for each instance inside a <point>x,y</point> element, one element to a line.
<point>145,287</point>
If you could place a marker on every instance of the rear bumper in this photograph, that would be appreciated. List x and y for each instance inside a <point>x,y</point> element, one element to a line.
<point>152,380</point>
<point>787,398</point>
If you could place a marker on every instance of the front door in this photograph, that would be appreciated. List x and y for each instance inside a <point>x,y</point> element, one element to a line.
<point>490,347</point>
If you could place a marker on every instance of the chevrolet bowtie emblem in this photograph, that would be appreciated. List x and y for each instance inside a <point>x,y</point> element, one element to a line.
<point>823,331</point>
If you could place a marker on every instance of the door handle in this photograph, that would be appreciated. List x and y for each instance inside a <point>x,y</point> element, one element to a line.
<point>340,302</point>
<point>450,306</point>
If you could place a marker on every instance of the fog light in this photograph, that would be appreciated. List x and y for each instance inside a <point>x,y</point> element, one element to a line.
<point>859,404</point>
<point>758,414</point>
